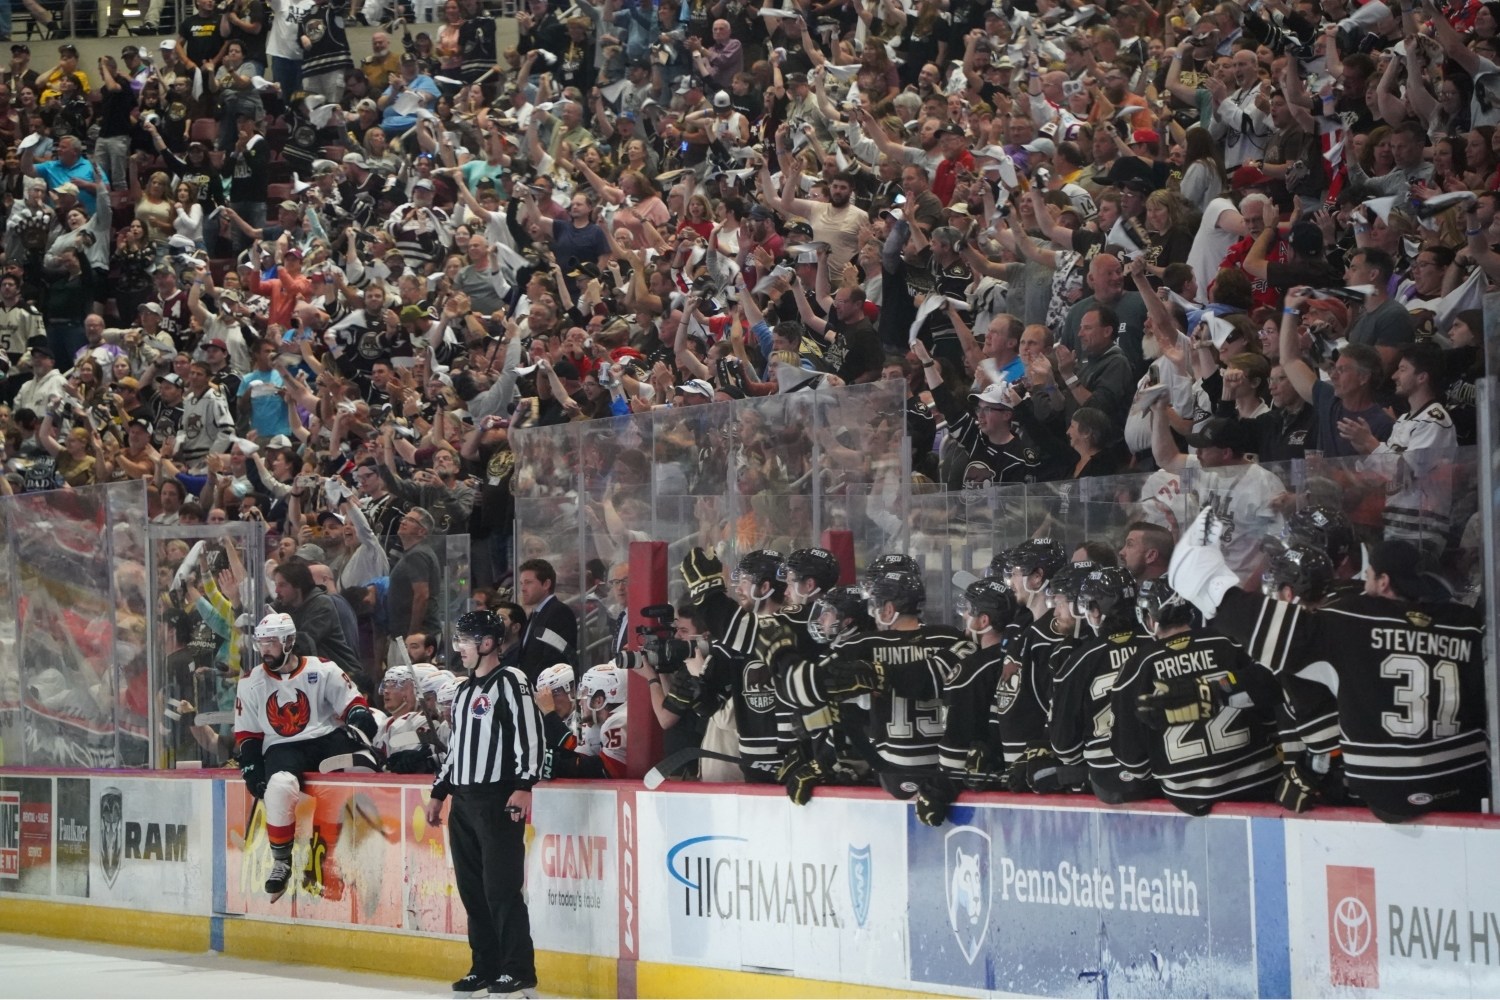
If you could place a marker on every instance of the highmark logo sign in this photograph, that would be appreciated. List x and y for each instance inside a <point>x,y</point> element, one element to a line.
<point>721,877</point>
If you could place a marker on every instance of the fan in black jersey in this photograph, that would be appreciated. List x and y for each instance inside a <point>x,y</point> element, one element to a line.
<point>1032,564</point>
<point>1082,712</point>
<point>1023,701</point>
<point>988,435</point>
<point>971,747</point>
<point>1407,673</point>
<point>1169,726</point>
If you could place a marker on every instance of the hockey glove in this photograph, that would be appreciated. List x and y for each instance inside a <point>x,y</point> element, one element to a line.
<point>1198,571</point>
<point>981,766</point>
<point>1295,793</point>
<point>851,678</point>
<point>800,773</point>
<point>253,768</point>
<point>417,760</point>
<point>774,640</point>
<point>932,803</point>
<point>1182,700</point>
<point>361,723</point>
<point>1015,779</point>
<point>1043,771</point>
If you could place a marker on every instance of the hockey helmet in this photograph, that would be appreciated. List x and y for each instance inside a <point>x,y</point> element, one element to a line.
<point>601,686</point>
<point>1323,527</point>
<point>447,693</point>
<point>398,674</point>
<point>276,625</point>
<point>558,676</point>
<point>1106,594</point>
<point>1038,555</point>
<point>1157,605</point>
<point>761,566</point>
<point>902,589</point>
<point>988,597</point>
<point>1302,566</point>
<point>820,565</point>
<point>478,625</point>
<point>838,612</point>
<point>890,563</point>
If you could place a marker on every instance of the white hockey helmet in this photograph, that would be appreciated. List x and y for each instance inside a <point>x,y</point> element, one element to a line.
<point>276,625</point>
<point>447,692</point>
<point>399,673</point>
<point>602,686</point>
<point>559,675</point>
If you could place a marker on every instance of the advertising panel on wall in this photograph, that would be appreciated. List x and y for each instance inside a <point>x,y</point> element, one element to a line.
<point>572,871</point>
<point>1376,910</point>
<point>26,835</point>
<point>151,844</point>
<point>71,849</point>
<point>743,881</point>
<point>1064,902</point>
<point>346,860</point>
<point>432,903</point>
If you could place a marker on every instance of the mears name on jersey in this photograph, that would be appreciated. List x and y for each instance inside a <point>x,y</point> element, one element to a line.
<point>311,701</point>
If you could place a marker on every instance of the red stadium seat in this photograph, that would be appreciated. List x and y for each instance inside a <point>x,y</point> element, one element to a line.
<point>205,130</point>
<point>278,192</point>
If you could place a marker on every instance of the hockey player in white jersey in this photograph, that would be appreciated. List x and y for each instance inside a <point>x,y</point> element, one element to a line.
<point>407,741</point>
<point>292,714</point>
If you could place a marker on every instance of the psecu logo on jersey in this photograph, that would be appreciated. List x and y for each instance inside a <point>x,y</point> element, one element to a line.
<point>481,706</point>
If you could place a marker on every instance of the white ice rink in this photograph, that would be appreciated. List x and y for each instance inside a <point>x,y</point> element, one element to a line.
<point>48,967</point>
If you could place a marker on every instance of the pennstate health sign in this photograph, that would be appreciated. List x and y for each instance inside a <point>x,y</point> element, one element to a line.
<point>1064,902</point>
<point>1376,910</point>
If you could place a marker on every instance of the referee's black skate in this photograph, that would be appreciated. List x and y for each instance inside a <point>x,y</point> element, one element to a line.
<point>281,872</point>
<point>472,985</point>
<point>510,986</point>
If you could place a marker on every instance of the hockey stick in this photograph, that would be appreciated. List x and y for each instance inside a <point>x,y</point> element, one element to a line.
<point>675,762</point>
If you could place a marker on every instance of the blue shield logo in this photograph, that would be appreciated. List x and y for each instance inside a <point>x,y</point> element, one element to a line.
<point>859,882</point>
<point>966,870</point>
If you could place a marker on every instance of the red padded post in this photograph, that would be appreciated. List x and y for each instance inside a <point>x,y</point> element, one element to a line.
<point>841,544</point>
<point>648,586</point>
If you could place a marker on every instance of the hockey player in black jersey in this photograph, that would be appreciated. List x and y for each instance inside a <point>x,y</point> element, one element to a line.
<point>1167,725</point>
<point>971,744</point>
<point>1024,699</point>
<point>1032,564</point>
<point>1082,710</point>
<point>1407,673</point>
<point>808,573</point>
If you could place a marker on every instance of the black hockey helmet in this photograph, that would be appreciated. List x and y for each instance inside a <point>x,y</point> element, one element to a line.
<point>1108,591</point>
<point>1000,564</point>
<point>890,563</point>
<point>1304,567</point>
<point>819,564</point>
<point>761,566</point>
<point>988,597</point>
<point>477,625</point>
<point>849,608</point>
<point>1326,528</point>
<point>1039,555</point>
<point>1157,605</point>
<point>901,588</point>
<point>1065,582</point>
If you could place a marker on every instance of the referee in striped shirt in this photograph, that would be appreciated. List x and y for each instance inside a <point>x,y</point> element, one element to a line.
<point>494,758</point>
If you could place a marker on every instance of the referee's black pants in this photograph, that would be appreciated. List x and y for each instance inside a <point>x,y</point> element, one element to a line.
<point>489,866</point>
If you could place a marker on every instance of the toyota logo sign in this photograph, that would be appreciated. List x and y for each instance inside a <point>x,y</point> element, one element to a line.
<point>1352,927</point>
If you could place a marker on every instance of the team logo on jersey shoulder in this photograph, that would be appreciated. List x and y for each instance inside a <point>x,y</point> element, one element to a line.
<point>312,678</point>
<point>1121,638</point>
<point>481,706</point>
<point>1418,619</point>
<point>1179,642</point>
<point>291,718</point>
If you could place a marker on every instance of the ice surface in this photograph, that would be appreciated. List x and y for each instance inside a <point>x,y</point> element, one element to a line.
<point>49,967</point>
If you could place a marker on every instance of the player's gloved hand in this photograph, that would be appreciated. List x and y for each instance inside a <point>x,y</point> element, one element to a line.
<point>417,760</point>
<point>799,774</point>
<point>1198,570</point>
<point>547,764</point>
<point>982,766</point>
<point>254,773</point>
<point>1043,771</point>
<point>1295,792</point>
<point>774,640</point>
<point>1182,700</point>
<point>685,693</point>
<point>932,803</point>
<point>1015,778</point>
<point>850,678</point>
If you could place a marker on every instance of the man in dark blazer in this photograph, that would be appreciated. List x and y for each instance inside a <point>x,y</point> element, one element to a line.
<point>551,634</point>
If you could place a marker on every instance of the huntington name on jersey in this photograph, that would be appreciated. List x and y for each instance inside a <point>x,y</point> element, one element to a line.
<point>1231,755</point>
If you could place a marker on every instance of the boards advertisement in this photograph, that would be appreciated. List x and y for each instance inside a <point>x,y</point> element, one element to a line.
<point>346,858</point>
<point>1074,902</point>
<point>1375,910</point>
<point>747,881</point>
<point>151,843</point>
<point>26,835</point>
<point>572,871</point>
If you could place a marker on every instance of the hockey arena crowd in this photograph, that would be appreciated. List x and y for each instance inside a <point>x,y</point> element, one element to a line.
<point>350,294</point>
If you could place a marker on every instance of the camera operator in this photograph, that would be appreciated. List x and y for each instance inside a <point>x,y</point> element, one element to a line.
<point>673,657</point>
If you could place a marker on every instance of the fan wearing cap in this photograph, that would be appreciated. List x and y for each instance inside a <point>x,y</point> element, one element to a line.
<point>987,435</point>
<point>284,290</point>
<point>1225,467</point>
<point>954,147</point>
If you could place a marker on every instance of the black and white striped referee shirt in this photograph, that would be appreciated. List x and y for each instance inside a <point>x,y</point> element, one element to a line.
<point>497,735</point>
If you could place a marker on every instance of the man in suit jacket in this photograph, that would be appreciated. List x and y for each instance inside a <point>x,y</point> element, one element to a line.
<point>551,634</point>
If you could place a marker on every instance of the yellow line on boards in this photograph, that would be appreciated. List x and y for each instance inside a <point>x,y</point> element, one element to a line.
<point>659,980</point>
<point>133,928</point>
